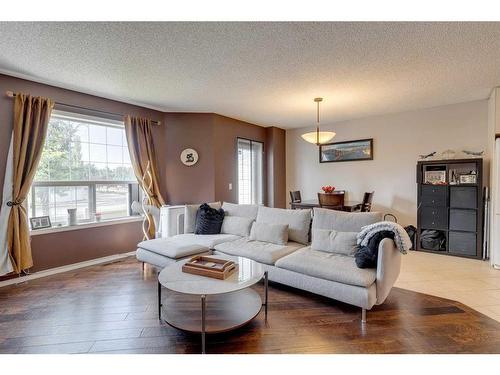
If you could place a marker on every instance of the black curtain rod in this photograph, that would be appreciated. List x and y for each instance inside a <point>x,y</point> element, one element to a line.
<point>11,94</point>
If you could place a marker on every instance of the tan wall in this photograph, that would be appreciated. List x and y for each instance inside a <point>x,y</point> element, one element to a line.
<point>398,140</point>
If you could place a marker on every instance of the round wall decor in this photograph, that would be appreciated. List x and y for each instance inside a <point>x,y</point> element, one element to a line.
<point>189,157</point>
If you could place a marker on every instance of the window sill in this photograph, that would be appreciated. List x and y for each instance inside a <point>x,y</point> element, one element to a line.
<point>123,220</point>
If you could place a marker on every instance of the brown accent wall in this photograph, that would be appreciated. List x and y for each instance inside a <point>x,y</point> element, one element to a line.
<point>181,184</point>
<point>8,83</point>
<point>212,135</point>
<point>226,132</point>
<point>62,248</point>
<point>276,167</point>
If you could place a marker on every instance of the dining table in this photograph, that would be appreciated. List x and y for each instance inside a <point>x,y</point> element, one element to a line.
<point>349,206</point>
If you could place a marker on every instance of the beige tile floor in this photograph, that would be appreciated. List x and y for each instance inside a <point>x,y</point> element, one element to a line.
<point>472,282</point>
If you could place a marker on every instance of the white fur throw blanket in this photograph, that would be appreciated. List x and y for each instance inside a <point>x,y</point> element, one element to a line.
<point>401,238</point>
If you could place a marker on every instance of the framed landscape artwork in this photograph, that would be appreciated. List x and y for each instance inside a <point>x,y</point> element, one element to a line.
<point>361,149</point>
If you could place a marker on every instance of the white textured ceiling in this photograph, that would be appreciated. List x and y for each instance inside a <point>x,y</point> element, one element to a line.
<point>265,73</point>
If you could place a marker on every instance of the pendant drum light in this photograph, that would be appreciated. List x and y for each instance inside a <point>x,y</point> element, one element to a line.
<point>318,137</point>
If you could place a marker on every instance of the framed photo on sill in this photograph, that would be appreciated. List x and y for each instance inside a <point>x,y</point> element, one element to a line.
<point>361,149</point>
<point>40,222</point>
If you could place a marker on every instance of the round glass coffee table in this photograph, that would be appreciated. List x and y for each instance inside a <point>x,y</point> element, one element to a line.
<point>204,305</point>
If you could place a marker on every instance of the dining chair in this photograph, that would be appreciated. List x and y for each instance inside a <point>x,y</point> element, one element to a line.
<point>366,205</point>
<point>295,196</point>
<point>331,201</point>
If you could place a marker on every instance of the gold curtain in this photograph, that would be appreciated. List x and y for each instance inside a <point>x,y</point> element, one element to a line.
<point>141,148</point>
<point>31,118</point>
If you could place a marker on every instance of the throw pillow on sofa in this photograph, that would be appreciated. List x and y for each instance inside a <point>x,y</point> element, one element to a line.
<point>208,220</point>
<point>273,233</point>
<point>333,241</point>
<point>239,226</point>
<point>190,211</point>
<point>343,221</point>
<point>297,220</point>
<point>240,210</point>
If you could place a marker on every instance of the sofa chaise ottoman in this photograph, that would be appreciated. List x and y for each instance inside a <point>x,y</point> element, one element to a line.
<point>161,252</point>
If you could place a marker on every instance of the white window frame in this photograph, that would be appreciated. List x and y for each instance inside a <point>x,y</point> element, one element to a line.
<point>255,186</point>
<point>90,184</point>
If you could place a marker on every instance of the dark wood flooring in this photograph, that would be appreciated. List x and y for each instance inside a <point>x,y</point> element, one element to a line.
<point>112,308</point>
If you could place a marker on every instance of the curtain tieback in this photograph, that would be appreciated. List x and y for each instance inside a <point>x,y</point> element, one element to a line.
<point>15,202</point>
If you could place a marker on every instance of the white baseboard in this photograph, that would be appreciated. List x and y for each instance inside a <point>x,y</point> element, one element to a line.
<point>69,267</point>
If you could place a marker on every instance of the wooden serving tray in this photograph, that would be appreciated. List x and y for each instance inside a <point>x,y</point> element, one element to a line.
<point>210,267</point>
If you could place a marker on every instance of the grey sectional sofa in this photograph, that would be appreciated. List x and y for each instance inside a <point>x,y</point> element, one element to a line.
<point>325,267</point>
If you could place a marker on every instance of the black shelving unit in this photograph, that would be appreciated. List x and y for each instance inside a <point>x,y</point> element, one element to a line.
<point>450,201</point>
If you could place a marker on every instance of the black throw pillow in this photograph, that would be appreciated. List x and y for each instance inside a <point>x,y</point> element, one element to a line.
<point>367,256</point>
<point>208,220</point>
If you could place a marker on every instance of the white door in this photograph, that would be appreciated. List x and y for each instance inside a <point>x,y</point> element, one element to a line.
<point>495,225</point>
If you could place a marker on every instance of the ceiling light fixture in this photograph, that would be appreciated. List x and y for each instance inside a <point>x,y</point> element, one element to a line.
<point>318,137</point>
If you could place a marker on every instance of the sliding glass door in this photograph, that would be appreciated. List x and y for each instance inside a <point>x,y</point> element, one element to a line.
<point>250,172</point>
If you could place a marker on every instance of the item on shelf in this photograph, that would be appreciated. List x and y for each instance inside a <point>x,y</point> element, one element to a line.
<point>435,177</point>
<point>433,240</point>
<point>473,154</point>
<point>469,178</point>
<point>40,222</point>
<point>72,216</point>
<point>328,189</point>
<point>98,217</point>
<point>210,267</point>
<point>448,154</point>
<point>422,157</point>
<point>453,177</point>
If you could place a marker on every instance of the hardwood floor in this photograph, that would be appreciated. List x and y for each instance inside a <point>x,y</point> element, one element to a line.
<point>112,308</point>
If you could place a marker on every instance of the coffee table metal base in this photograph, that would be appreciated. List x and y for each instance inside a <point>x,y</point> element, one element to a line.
<point>211,314</point>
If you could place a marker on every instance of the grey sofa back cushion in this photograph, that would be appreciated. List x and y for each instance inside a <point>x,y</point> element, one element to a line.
<point>239,226</point>
<point>190,215</point>
<point>331,241</point>
<point>241,210</point>
<point>343,221</point>
<point>273,233</point>
<point>298,221</point>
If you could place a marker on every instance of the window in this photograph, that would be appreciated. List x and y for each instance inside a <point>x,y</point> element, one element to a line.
<point>250,172</point>
<point>85,165</point>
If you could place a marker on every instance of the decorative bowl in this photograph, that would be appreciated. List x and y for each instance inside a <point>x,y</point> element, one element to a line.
<point>328,189</point>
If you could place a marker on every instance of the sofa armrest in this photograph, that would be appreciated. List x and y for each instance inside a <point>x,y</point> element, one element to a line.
<point>388,267</point>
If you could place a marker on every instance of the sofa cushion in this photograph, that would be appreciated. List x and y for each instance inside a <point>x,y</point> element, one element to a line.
<point>274,233</point>
<point>297,220</point>
<point>208,240</point>
<point>332,241</point>
<point>328,266</point>
<point>190,215</point>
<point>343,221</point>
<point>239,226</point>
<point>241,210</point>
<point>262,252</point>
<point>172,248</point>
